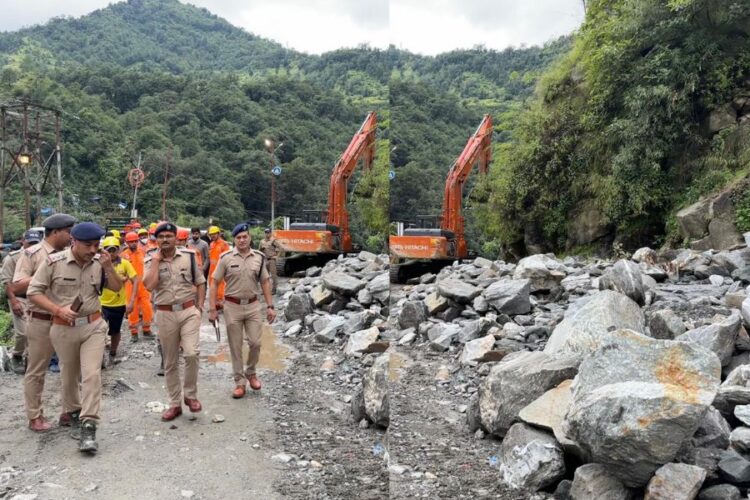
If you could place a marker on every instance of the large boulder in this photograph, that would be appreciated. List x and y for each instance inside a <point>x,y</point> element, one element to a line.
<point>543,272</point>
<point>549,409</point>
<point>510,297</point>
<point>515,382</point>
<point>412,314</point>
<point>531,459</point>
<point>375,391</point>
<point>693,220</point>
<point>636,400</point>
<point>344,284</point>
<point>625,277</point>
<point>298,306</point>
<point>460,291</point>
<point>718,337</point>
<point>590,318</point>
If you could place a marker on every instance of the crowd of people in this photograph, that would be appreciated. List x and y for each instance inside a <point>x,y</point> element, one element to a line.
<point>71,286</point>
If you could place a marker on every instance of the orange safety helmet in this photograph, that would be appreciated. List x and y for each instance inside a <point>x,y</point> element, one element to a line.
<point>130,237</point>
<point>183,234</point>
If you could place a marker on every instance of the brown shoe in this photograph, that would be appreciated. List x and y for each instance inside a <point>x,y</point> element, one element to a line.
<point>194,405</point>
<point>171,413</point>
<point>39,425</point>
<point>65,420</point>
<point>239,392</point>
<point>254,382</point>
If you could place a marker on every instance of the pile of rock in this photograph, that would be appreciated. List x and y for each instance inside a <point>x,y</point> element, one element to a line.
<point>641,386</point>
<point>345,301</point>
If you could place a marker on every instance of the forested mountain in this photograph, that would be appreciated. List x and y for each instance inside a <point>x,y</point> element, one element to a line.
<point>144,75</point>
<point>643,115</point>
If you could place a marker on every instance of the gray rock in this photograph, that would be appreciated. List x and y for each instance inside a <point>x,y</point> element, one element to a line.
<point>375,390</point>
<point>344,284</point>
<point>480,305</point>
<point>693,220</point>
<point>436,303</point>
<point>510,296</point>
<point>734,468</point>
<point>298,306</point>
<point>624,277</point>
<point>321,296</point>
<point>358,321</point>
<point>544,272</point>
<point>705,458</point>
<point>745,311</point>
<point>366,256</point>
<point>379,284</point>
<point>590,318</point>
<point>673,481</point>
<point>716,280</point>
<point>476,349</point>
<point>579,282</point>
<point>364,297</point>
<point>515,382</point>
<point>724,233</point>
<point>713,431</point>
<point>636,400</point>
<point>593,481</point>
<point>360,341</point>
<point>440,329</point>
<point>412,314</point>
<point>442,342</point>
<point>562,491</point>
<point>720,492</point>
<point>739,439</point>
<point>474,329</point>
<point>531,459</point>
<point>666,324</point>
<point>645,255</point>
<point>358,404</point>
<point>742,412</point>
<point>460,291</point>
<point>482,262</point>
<point>718,337</point>
<point>549,409</point>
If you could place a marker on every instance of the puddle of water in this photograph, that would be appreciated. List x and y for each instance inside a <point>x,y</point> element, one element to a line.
<point>273,354</point>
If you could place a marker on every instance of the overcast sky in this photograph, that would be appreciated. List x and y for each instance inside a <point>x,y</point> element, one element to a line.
<point>315,26</point>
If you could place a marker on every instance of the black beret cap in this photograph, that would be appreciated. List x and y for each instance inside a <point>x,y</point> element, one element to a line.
<point>166,226</point>
<point>87,231</point>
<point>33,235</point>
<point>239,228</point>
<point>58,221</point>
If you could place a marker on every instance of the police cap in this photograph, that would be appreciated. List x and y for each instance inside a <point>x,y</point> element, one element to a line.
<point>165,226</point>
<point>87,231</point>
<point>240,228</point>
<point>58,221</point>
<point>33,235</point>
<point>267,230</point>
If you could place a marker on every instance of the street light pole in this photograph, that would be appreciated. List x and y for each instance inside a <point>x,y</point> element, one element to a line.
<point>269,146</point>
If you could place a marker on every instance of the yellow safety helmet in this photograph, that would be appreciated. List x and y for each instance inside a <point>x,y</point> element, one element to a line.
<point>214,230</point>
<point>142,231</point>
<point>110,241</point>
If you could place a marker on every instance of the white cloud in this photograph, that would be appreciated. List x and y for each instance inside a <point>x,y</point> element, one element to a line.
<point>424,26</point>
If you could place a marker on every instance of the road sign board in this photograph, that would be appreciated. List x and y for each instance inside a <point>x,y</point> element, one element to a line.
<point>276,170</point>
<point>392,175</point>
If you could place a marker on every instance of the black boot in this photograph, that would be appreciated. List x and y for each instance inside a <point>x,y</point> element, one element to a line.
<point>161,366</point>
<point>75,424</point>
<point>88,437</point>
<point>18,365</point>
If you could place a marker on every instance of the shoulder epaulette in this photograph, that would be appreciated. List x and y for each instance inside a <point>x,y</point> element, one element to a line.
<point>15,252</point>
<point>187,250</point>
<point>32,250</point>
<point>151,250</point>
<point>224,254</point>
<point>55,257</point>
<point>258,252</point>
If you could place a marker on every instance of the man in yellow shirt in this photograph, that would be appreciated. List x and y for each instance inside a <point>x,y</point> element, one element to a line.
<point>115,305</point>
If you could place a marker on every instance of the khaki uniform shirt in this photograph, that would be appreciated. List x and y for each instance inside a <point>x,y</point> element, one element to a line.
<point>176,281</point>
<point>62,279</point>
<point>9,267</point>
<point>241,273</point>
<point>31,259</point>
<point>269,247</point>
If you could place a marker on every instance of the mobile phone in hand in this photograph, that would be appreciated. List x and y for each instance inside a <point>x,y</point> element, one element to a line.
<point>76,305</point>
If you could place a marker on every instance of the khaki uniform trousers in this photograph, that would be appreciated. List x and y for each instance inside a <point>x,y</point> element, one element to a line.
<point>271,266</point>
<point>244,322</point>
<point>40,353</point>
<point>180,329</point>
<point>80,349</point>
<point>19,329</point>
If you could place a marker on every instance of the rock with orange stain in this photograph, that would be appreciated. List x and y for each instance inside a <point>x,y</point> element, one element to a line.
<point>637,399</point>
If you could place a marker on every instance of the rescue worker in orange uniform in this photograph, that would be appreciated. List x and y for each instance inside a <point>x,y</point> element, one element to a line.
<point>142,303</point>
<point>217,247</point>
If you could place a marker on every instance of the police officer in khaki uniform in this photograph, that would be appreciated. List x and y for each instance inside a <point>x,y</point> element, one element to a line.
<point>270,247</point>
<point>56,238</point>
<point>172,274</point>
<point>244,272</point>
<point>18,304</point>
<point>68,286</point>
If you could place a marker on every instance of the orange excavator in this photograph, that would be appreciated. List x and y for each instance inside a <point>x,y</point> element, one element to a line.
<point>417,249</point>
<point>305,243</point>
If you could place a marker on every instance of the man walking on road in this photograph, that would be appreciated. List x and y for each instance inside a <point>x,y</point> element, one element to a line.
<point>135,254</point>
<point>18,304</point>
<point>68,286</point>
<point>116,303</point>
<point>218,246</point>
<point>201,248</point>
<point>270,247</point>
<point>56,238</point>
<point>245,275</point>
<point>171,274</point>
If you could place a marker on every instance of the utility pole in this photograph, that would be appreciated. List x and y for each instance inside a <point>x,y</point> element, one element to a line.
<point>58,162</point>
<point>166,181</point>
